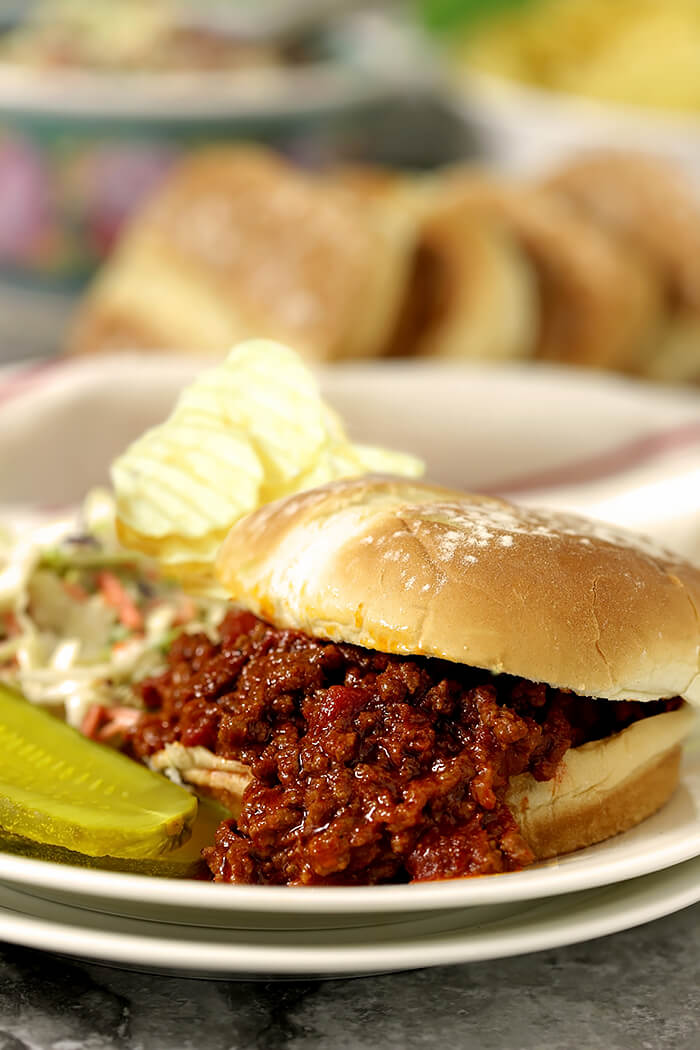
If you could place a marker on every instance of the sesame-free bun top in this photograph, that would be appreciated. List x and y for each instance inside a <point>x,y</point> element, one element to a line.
<point>411,568</point>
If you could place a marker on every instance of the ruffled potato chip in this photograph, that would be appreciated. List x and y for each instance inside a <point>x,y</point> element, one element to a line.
<point>188,474</point>
<point>264,389</point>
<point>250,431</point>
<point>172,549</point>
<point>348,460</point>
<point>376,460</point>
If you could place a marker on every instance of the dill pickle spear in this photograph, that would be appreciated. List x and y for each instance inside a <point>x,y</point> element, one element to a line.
<point>61,789</point>
<point>183,862</point>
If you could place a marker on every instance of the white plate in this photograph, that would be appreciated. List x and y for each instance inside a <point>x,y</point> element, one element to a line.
<point>669,837</point>
<point>63,424</point>
<point>379,59</point>
<point>476,426</point>
<point>452,937</point>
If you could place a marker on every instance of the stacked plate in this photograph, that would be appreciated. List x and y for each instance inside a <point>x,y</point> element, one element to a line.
<point>61,427</point>
<point>203,929</point>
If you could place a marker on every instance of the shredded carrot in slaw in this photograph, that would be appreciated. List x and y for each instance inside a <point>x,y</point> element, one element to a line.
<point>10,622</point>
<point>116,595</point>
<point>74,590</point>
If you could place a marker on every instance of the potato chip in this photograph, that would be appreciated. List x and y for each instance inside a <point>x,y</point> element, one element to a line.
<point>376,460</point>
<point>265,389</point>
<point>250,431</point>
<point>195,477</point>
<point>173,549</point>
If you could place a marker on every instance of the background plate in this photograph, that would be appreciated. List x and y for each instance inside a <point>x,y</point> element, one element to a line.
<point>63,422</point>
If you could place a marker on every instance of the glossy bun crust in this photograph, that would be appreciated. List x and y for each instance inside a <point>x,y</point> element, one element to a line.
<point>410,568</point>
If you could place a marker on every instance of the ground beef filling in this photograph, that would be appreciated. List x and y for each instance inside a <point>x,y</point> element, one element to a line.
<point>367,767</point>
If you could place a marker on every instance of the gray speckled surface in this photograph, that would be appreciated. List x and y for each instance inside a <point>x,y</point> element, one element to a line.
<point>638,990</point>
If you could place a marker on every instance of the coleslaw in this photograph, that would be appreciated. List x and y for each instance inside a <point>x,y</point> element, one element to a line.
<point>82,619</point>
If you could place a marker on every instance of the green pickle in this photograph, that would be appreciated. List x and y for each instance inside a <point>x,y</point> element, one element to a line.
<point>183,862</point>
<point>59,789</point>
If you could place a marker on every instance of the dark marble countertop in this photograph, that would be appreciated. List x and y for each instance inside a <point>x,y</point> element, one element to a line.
<point>638,990</point>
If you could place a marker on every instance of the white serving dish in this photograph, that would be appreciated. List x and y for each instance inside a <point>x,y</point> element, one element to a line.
<point>524,130</point>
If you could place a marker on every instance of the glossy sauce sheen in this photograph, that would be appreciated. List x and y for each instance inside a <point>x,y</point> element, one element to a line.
<point>367,767</point>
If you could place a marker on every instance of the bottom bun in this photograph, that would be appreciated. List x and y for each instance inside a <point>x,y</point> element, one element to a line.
<point>602,788</point>
<point>210,775</point>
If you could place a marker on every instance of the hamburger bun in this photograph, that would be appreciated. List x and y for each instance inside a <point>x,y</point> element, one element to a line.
<point>415,569</point>
<point>602,788</point>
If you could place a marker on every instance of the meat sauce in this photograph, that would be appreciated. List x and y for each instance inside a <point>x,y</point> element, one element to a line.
<point>367,768</point>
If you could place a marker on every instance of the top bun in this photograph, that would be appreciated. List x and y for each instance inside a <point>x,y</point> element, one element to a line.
<point>410,568</point>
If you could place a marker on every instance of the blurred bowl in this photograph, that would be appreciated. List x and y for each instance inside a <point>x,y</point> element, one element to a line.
<point>79,149</point>
<point>524,130</point>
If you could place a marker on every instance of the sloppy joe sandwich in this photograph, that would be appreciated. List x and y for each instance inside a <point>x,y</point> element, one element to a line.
<point>417,684</point>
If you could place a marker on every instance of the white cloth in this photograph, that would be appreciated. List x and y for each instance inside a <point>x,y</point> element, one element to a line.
<point>650,486</point>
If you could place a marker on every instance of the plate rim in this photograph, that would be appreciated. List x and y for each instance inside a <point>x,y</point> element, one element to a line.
<point>597,913</point>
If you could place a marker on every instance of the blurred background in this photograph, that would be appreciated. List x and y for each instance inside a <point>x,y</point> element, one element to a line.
<point>489,180</point>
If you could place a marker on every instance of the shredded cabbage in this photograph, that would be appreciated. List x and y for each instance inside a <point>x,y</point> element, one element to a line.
<point>82,619</point>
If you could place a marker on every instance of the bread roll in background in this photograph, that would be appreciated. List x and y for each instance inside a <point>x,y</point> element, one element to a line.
<point>240,244</point>
<point>476,287</point>
<point>677,356</point>
<point>649,206</point>
<point>597,265</point>
<point>644,201</point>
<point>599,305</point>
